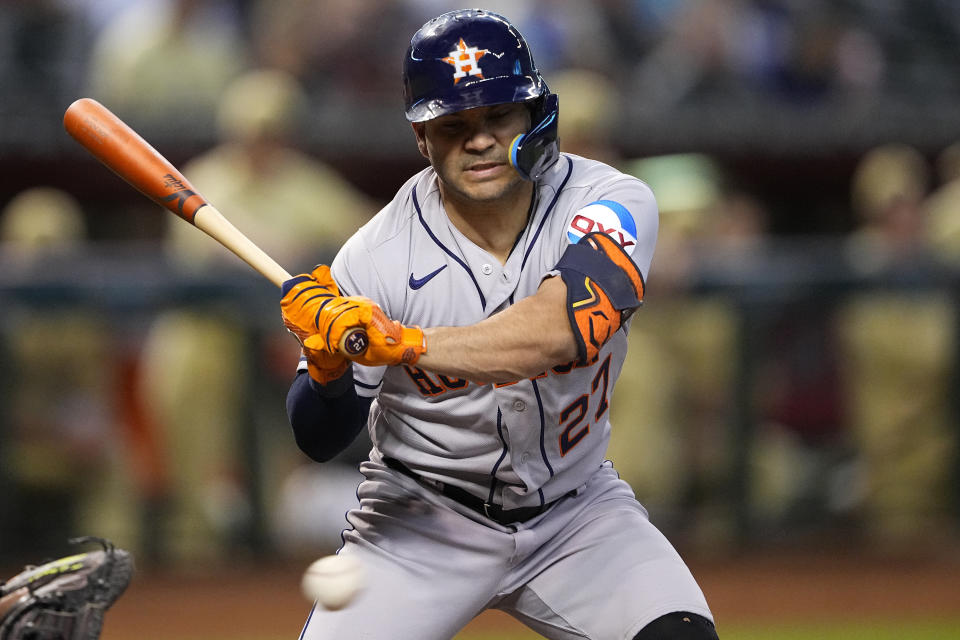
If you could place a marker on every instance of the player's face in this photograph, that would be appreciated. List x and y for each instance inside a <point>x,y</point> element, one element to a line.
<point>469,151</point>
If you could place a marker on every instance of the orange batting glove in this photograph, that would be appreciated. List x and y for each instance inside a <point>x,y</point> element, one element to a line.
<point>388,342</point>
<point>325,367</point>
<point>303,298</point>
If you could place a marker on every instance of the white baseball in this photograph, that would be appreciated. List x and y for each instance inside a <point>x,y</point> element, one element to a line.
<point>333,581</point>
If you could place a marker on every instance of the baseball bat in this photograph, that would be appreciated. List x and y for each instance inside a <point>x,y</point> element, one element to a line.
<point>124,152</point>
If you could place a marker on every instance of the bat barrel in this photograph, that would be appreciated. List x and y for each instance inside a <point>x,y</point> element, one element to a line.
<point>123,151</point>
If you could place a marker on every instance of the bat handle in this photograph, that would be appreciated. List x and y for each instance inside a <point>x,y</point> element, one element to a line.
<point>354,341</point>
<point>215,225</point>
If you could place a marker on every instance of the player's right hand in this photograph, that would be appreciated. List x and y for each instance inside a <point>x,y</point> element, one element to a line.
<point>304,296</point>
<point>388,342</point>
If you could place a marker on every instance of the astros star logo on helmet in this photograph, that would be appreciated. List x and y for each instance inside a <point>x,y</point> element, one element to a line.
<point>466,60</point>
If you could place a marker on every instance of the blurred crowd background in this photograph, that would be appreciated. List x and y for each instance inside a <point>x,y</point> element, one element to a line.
<point>792,378</point>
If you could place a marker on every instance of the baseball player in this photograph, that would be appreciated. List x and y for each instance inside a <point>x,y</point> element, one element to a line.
<point>495,290</point>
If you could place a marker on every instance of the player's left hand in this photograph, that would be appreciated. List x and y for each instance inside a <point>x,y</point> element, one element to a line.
<point>304,296</point>
<point>325,367</point>
<point>388,341</point>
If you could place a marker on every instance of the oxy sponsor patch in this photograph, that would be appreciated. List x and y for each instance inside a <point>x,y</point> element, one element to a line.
<point>608,217</point>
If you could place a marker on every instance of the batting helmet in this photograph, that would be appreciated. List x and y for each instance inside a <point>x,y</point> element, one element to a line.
<point>475,58</point>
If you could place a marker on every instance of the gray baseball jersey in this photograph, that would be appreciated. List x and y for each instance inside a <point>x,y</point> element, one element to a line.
<point>589,566</point>
<point>518,443</point>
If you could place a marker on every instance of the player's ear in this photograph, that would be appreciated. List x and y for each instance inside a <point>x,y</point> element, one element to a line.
<point>419,130</point>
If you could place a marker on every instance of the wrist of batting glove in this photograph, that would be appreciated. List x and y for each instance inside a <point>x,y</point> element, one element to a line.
<point>325,368</point>
<point>333,387</point>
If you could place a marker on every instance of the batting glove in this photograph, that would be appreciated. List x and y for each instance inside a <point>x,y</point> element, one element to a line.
<point>388,342</point>
<point>304,296</point>
<point>324,367</point>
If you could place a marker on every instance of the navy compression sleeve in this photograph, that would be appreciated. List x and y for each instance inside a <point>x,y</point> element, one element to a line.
<point>325,425</point>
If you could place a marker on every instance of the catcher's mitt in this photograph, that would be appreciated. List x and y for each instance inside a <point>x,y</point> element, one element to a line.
<point>64,599</point>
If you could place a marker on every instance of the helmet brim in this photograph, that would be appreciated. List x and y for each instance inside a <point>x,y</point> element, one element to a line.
<point>483,92</point>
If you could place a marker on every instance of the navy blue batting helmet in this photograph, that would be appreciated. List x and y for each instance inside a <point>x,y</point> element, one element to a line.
<point>475,58</point>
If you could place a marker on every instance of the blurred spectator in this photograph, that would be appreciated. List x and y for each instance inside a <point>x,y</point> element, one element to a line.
<point>669,437</point>
<point>196,361</point>
<point>564,33</point>
<point>887,191</point>
<point>747,50</point>
<point>591,108</point>
<point>60,441</point>
<point>163,64</point>
<point>335,49</point>
<point>688,187</point>
<point>948,164</point>
<point>41,54</point>
<point>42,221</point>
<point>683,384</point>
<point>942,207</point>
<point>290,202</point>
<point>898,350</point>
<point>802,450</point>
<point>335,69</point>
<point>742,222</point>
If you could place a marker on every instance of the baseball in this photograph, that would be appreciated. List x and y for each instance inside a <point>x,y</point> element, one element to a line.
<point>333,581</point>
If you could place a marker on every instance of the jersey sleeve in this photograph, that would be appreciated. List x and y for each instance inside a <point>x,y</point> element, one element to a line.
<point>625,209</point>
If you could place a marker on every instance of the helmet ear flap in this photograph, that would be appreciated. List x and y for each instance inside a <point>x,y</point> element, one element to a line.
<point>532,153</point>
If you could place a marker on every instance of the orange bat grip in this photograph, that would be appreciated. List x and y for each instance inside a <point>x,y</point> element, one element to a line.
<point>131,157</point>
